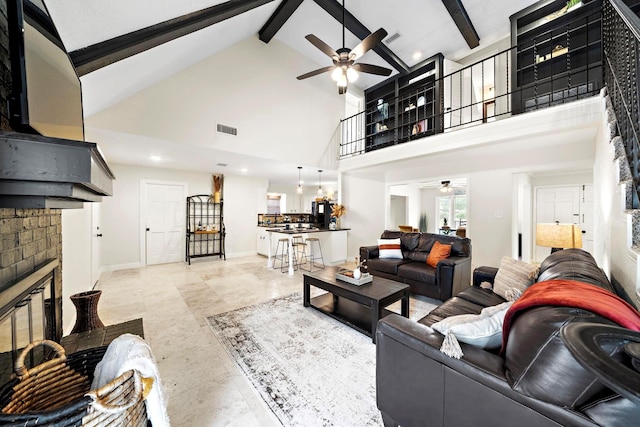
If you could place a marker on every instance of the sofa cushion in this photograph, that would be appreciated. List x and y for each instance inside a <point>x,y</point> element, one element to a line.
<point>483,297</point>
<point>386,265</point>
<point>439,251</point>
<point>513,275</point>
<point>482,330</point>
<point>409,241</point>
<point>389,248</point>
<point>418,272</point>
<point>536,357</point>
<point>452,307</point>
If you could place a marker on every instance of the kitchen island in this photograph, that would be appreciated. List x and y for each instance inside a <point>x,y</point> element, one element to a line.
<point>333,243</point>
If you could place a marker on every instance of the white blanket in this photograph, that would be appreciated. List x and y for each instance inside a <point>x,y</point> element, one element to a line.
<point>132,352</point>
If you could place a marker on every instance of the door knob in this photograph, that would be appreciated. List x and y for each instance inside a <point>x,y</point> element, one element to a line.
<point>99,235</point>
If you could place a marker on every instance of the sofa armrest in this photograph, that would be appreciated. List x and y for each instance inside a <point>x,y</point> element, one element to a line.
<point>369,252</point>
<point>484,274</point>
<point>453,275</point>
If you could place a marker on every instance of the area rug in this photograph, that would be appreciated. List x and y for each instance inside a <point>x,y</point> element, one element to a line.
<point>310,369</point>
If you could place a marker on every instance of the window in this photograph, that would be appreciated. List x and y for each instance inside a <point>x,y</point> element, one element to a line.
<point>454,209</point>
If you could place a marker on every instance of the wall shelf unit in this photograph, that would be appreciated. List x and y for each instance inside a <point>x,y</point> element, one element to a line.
<point>205,227</point>
<point>559,53</point>
<point>405,107</point>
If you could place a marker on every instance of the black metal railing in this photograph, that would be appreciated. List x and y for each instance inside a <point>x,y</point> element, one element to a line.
<point>517,80</point>
<point>621,36</point>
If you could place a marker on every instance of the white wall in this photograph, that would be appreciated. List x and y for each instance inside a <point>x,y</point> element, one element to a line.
<point>277,116</point>
<point>366,201</point>
<point>612,225</point>
<point>76,259</point>
<point>243,199</point>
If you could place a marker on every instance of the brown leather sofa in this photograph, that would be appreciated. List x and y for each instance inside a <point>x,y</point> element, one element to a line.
<point>450,276</point>
<point>536,382</point>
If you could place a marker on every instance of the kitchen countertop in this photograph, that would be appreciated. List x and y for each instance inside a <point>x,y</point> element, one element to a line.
<point>303,230</point>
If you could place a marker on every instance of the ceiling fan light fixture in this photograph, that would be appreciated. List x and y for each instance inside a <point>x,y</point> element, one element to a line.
<point>352,75</point>
<point>446,187</point>
<point>335,75</point>
<point>342,81</point>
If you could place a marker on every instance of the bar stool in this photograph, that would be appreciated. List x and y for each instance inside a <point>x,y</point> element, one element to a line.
<point>282,254</point>
<point>312,243</point>
<point>297,243</point>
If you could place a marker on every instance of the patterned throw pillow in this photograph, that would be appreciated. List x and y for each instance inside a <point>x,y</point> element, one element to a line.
<point>389,248</point>
<point>513,278</point>
<point>438,252</point>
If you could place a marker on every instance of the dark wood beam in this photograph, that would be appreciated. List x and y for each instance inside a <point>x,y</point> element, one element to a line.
<point>333,8</point>
<point>462,21</point>
<point>101,54</point>
<point>278,19</point>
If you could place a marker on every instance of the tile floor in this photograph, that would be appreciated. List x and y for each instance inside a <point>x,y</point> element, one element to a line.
<point>203,384</point>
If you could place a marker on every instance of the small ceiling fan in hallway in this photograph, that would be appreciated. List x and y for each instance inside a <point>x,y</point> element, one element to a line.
<point>344,68</point>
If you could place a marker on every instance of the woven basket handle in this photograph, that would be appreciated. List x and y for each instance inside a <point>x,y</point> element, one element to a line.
<point>22,372</point>
<point>100,403</point>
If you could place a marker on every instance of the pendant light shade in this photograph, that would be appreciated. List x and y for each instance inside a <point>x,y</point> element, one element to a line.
<point>299,190</point>
<point>319,182</point>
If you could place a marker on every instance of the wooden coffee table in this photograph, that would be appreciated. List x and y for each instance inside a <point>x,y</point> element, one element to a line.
<point>359,307</point>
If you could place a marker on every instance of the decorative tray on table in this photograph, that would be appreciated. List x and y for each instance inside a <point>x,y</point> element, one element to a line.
<point>346,275</point>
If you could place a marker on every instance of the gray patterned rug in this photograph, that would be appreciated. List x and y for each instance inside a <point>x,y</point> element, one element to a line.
<point>310,369</point>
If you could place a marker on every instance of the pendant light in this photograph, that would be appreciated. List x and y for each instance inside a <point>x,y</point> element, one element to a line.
<point>319,182</point>
<point>299,190</point>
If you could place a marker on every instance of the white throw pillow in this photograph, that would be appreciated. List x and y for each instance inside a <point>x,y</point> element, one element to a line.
<point>513,278</point>
<point>389,248</point>
<point>482,330</point>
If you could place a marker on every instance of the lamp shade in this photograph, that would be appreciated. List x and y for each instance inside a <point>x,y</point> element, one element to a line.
<point>558,236</point>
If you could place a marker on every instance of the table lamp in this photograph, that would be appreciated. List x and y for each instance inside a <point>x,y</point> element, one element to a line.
<point>558,236</point>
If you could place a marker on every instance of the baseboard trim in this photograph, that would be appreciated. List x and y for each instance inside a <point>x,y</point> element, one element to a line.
<point>117,267</point>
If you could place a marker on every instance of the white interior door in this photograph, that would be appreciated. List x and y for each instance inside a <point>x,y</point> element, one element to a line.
<point>586,217</point>
<point>96,235</point>
<point>164,222</point>
<point>553,204</point>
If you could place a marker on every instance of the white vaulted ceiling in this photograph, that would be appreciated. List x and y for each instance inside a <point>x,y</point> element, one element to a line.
<point>424,26</point>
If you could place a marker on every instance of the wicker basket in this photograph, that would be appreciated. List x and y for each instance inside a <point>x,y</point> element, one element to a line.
<point>57,393</point>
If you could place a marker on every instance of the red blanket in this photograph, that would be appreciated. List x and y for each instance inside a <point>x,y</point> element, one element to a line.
<point>569,293</point>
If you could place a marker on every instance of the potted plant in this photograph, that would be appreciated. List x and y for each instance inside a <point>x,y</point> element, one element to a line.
<point>422,223</point>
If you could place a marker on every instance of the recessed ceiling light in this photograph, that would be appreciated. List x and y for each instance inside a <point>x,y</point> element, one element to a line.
<point>244,170</point>
<point>156,158</point>
<point>417,55</point>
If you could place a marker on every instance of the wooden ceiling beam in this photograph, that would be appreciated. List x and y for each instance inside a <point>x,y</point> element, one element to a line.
<point>462,21</point>
<point>333,8</point>
<point>107,52</point>
<point>278,19</point>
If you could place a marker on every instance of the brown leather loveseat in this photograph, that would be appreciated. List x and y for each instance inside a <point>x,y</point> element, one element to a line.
<point>449,277</point>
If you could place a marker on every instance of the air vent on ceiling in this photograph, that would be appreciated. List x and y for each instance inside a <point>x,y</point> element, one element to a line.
<point>222,165</point>
<point>227,129</point>
<point>392,37</point>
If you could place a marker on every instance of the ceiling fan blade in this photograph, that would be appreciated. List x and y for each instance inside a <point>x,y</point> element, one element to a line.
<point>369,42</point>
<point>322,46</point>
<point>316,72</point>
<point>372,69</point>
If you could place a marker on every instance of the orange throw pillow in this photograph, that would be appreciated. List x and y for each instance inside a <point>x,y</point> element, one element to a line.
<point>439,251</point>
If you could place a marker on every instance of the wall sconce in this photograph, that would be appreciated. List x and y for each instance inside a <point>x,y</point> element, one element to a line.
<point>558,236</point>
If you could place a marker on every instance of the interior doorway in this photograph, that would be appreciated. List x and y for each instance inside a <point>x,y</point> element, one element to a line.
<point>162,221</point>
<point>397,212</point>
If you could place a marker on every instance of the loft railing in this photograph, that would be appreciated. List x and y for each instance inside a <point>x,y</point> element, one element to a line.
<point>621,36</point>
<point>517,80</point>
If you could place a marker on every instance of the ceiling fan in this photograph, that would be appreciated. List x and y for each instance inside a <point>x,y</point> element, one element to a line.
<point>344,67</point>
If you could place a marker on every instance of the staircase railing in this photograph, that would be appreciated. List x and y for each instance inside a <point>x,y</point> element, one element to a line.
<point>621,44</point>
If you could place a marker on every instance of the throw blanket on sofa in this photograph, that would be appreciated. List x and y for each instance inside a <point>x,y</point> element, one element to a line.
<point>570,293</point>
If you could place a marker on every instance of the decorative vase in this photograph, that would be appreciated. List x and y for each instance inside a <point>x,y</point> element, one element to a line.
<point>86,311</point>
<point>357,273</point>
<point>216,197</point>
